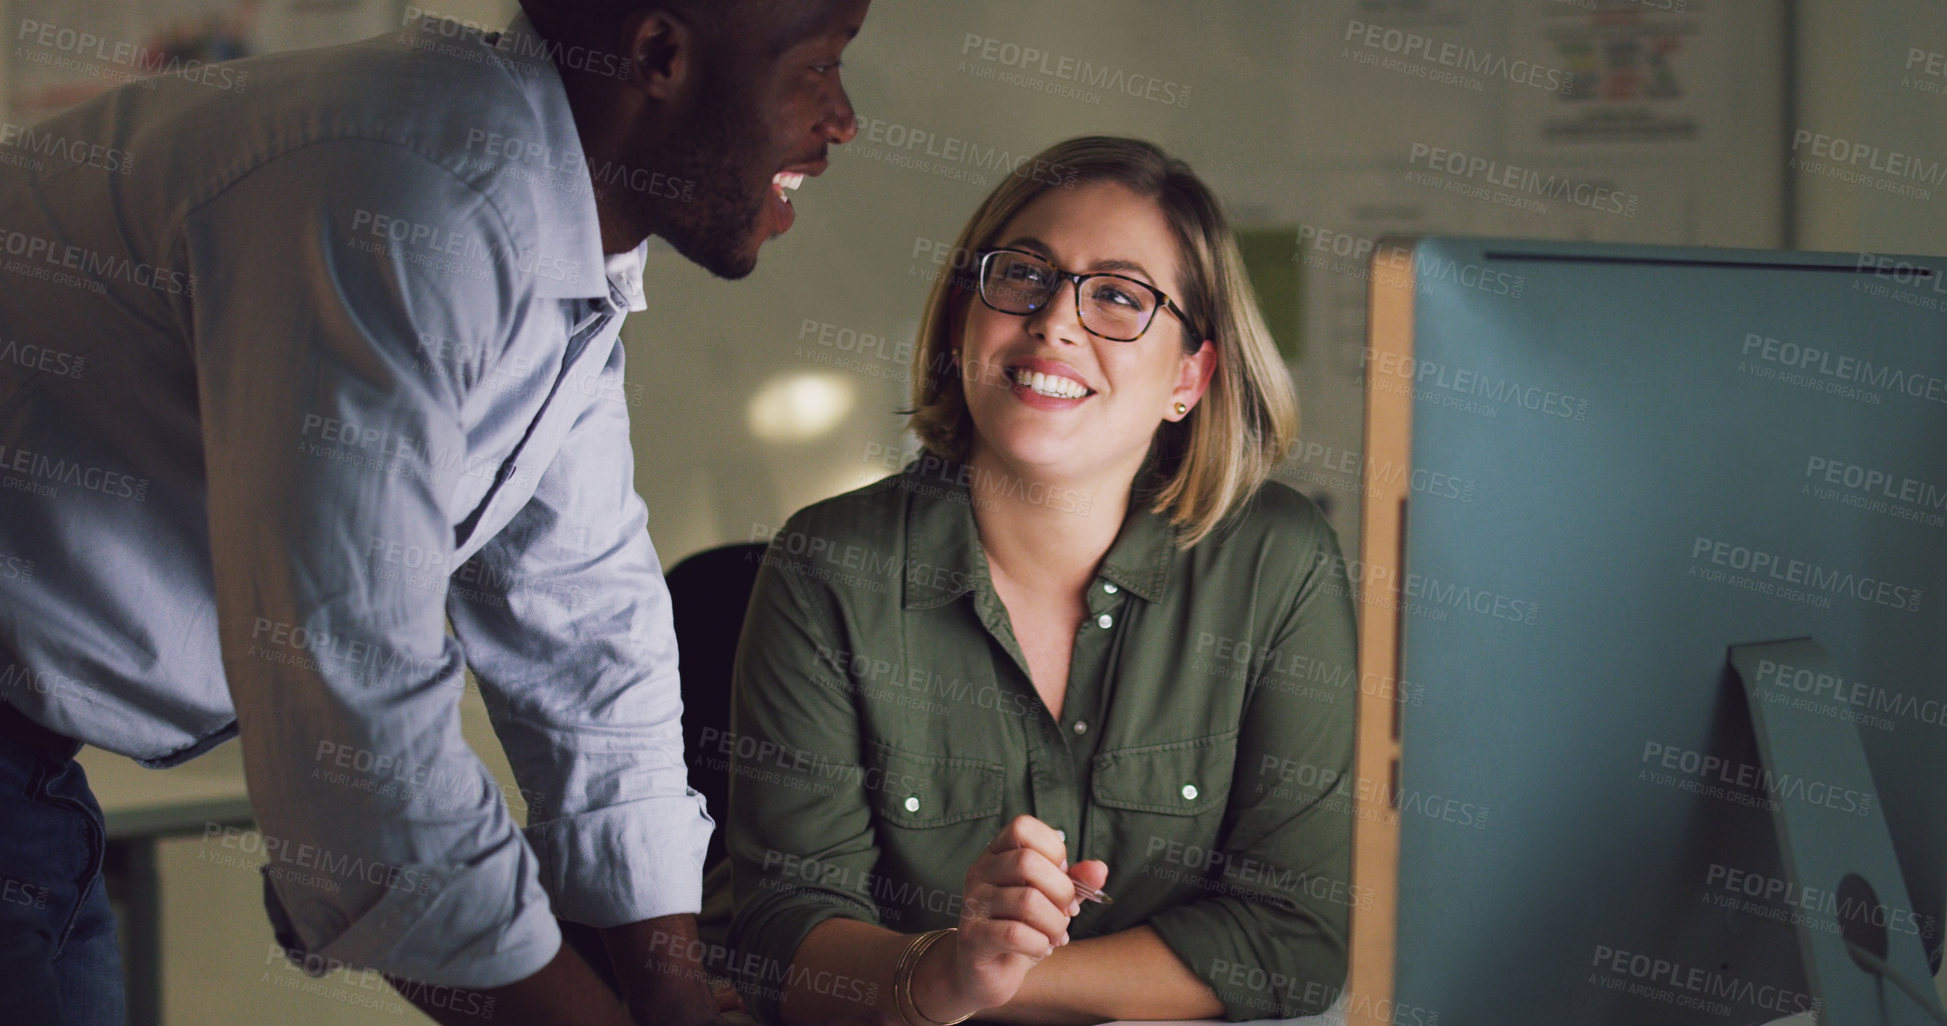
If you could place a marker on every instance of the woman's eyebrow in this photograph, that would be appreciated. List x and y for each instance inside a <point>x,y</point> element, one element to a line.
<point>1121,266</point>
<point>1028,242</point>
<point>1117,266</point>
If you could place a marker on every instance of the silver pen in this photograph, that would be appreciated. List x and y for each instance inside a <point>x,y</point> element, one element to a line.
<point>1091,894</point>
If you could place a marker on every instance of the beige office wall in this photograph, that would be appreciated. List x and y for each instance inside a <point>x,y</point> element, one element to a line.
<point>1871,77</point>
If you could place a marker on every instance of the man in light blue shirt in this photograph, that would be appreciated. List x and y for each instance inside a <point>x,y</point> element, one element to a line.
<point>324,359</point>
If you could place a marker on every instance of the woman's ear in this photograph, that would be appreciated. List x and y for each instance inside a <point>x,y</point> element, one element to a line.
<point>1193,372</point>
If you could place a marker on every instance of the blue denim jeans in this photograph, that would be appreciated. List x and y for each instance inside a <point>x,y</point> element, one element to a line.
<point>58,952</point>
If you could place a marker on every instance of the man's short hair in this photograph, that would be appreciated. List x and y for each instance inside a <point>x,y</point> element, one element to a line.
<point>586,19</point>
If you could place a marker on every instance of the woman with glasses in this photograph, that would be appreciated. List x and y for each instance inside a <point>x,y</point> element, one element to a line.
<point>1056,725</point>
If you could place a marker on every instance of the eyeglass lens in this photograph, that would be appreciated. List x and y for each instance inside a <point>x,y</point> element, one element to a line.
<point>1111,306</point>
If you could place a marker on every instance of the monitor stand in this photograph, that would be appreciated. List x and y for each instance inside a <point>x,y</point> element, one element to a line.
<point>1810,760</point>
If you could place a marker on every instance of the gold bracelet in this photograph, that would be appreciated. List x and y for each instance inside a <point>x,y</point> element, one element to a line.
<point>902,980</point>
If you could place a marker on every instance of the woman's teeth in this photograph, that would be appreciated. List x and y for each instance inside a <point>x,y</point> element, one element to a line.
<point>785,180</point>
<point>1049,384</point>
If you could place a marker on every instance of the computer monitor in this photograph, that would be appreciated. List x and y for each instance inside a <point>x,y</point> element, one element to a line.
<point>1677,652</point>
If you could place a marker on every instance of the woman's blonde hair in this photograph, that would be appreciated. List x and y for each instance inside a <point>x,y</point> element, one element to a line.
<point>1200,469</point>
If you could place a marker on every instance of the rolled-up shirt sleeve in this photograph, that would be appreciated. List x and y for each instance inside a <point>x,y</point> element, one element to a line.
<point>1272,942</point>
<point>566,621</point>
<point>325,439</point>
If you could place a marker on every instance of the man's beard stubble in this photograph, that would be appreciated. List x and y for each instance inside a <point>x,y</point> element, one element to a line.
<point>715,228</point>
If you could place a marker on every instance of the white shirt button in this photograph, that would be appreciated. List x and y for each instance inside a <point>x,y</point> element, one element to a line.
<point>912,802</point>
<point>1081,727</point>
<point>1105,621</point>
<point>1189,792</point>
<point>1110,588</point>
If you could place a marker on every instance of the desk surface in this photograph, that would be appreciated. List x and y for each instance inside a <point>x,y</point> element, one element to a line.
<point>139,802</point>
<point>1336,1017</point>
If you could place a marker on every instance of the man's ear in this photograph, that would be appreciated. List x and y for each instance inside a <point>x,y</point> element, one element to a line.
<point>661,52</point>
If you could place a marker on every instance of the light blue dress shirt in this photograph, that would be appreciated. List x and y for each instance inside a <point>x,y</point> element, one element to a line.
<point>297,365</point>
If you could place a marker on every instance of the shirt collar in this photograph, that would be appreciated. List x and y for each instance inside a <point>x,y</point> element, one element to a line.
<point>944,558</point>
<point>943,554</point>
<point>625,277</point>
<point>1139,561</point>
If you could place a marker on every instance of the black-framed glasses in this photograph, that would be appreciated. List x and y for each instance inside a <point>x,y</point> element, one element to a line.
<point>1112,306</point>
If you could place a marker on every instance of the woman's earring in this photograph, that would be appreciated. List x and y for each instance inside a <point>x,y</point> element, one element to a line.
<point>1181,409</point>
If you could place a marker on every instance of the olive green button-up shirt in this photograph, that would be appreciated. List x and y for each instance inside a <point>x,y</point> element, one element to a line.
<point>886,729</point>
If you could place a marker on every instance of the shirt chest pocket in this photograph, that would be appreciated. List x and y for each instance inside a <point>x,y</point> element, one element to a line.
<point>1181,778</point>
<point>918,791</point>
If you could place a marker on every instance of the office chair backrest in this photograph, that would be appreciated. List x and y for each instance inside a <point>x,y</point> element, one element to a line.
<point>709,592</point>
